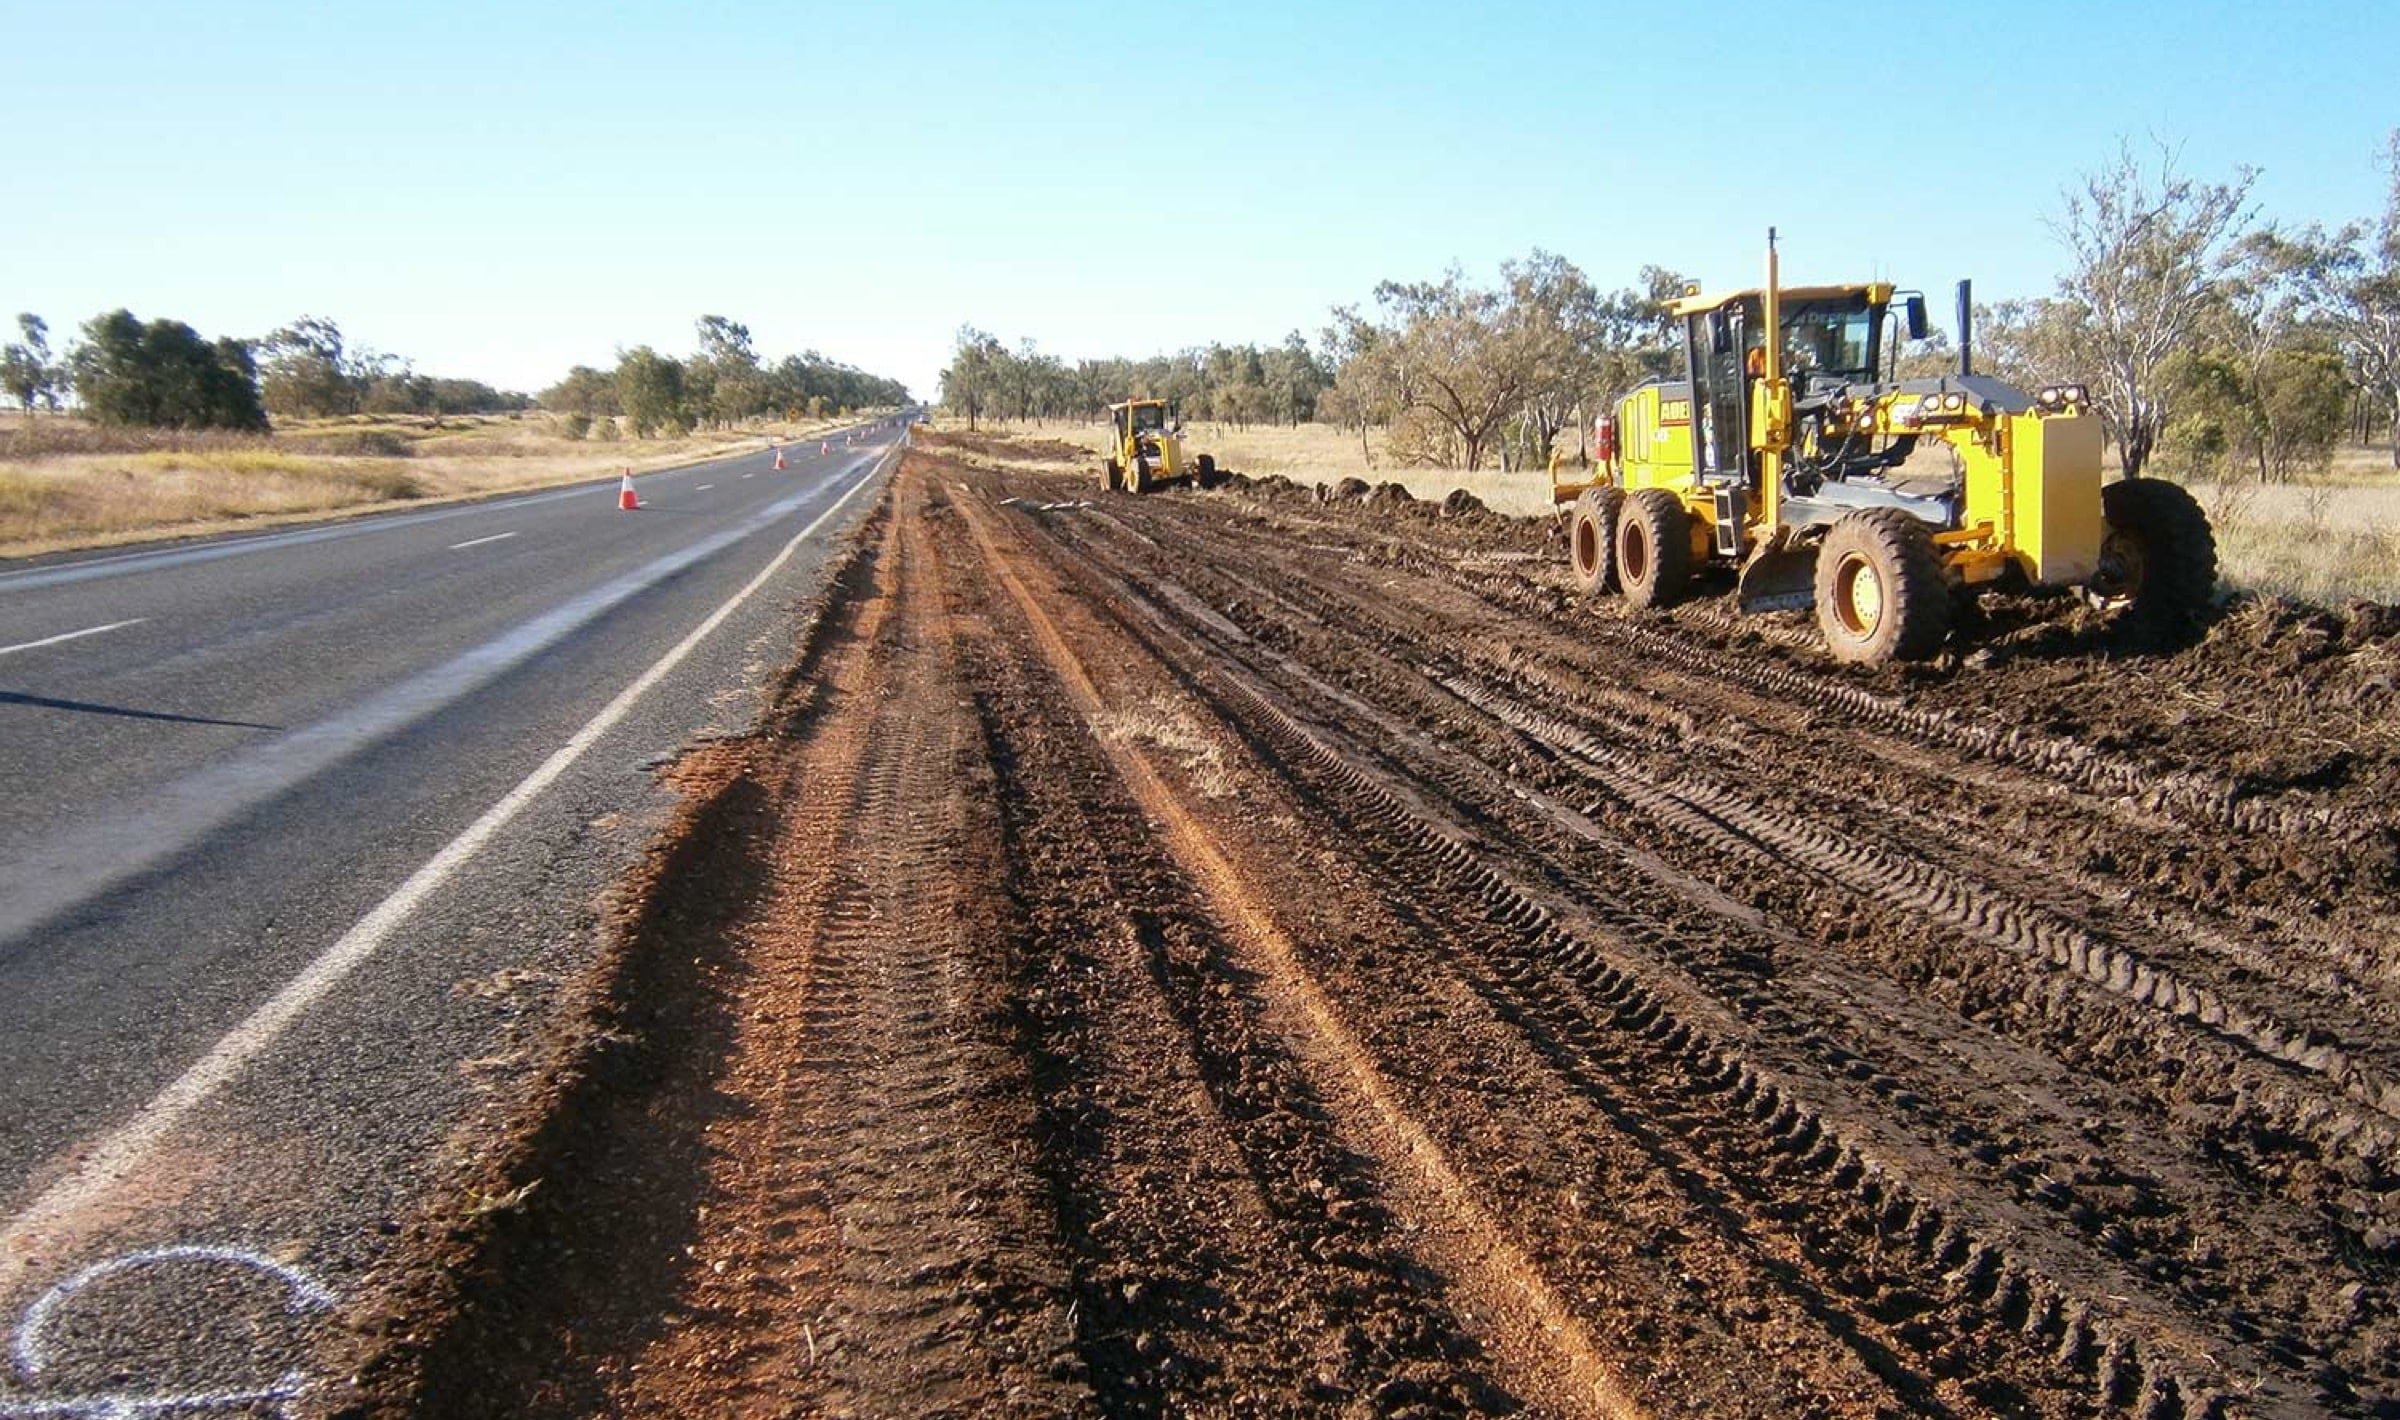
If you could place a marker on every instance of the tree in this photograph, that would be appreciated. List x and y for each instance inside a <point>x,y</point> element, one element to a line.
<point>650,389</point>
<point>585,391</point>
<point>1454,356</point>
<point>725,379</point>
<point>2280,367</point>
<point>27,372</point>
<point>311,372</point>
<point>2362,305</point>
<point>973,380</point>
<point>1559,313</point>
<point>2147,252</point>
<point>164,374</point>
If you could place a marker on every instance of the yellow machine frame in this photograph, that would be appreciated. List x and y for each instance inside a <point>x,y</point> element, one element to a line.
<point>2028,477</point>
<point>1145,454</point>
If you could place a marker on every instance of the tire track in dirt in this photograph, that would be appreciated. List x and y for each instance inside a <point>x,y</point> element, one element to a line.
<point>1492,1264</point>
<point>1262,591</point>
<point>2089,1324</point>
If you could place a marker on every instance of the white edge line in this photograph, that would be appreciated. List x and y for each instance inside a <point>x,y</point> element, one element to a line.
<point>70,635</point>
<point>703,488</point>
<point>480,541</point>
<point>115,1155</point>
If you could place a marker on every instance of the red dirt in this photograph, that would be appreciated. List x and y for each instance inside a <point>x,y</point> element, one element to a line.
<point>1233,954</point>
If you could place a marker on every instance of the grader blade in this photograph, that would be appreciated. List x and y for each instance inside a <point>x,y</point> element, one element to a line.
<point>1779,579</point>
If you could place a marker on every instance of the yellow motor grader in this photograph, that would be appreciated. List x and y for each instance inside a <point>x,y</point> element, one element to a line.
<point>1147,450</point>
<point>1805,463</point>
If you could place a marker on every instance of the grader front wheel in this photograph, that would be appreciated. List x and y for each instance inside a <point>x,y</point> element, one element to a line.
<point>1880,592</point>
<point>1113,474</point>
<point>2158,560</point>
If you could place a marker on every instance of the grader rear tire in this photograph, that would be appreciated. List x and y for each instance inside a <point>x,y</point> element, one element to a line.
<point>1206,472</point>
<point>1592,539</point>
<point>2158,560</point>
<point>1881,595</point>
<point>1654,548</point>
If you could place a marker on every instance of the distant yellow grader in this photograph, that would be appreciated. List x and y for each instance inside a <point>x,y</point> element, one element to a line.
<point>1147,451</point>
<point>1828,483</point>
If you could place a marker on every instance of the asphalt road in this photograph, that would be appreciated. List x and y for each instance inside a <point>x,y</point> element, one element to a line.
<point>302,833</point>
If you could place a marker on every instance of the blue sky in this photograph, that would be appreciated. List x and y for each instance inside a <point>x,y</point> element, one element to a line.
<point>501,190</point>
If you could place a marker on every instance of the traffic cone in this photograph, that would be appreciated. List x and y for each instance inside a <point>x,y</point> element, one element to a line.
<point>626,500</point>
<point>824,446</point>
<point>779,458</point>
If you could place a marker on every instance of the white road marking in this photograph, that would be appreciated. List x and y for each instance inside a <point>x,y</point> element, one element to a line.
<point>480,541</point>
<point>749,475</point>
<point>703,488</point>
<point>70,635</point>
<point>113,1157</point>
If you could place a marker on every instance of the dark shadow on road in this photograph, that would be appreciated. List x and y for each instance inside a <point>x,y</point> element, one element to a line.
<point>85,707</point>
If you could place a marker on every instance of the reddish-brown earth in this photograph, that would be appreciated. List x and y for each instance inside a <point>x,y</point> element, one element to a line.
<point>1239,954</point>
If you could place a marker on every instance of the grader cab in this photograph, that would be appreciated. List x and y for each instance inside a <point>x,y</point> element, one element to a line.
<point>1146,450</point>
<point>1806,464</point>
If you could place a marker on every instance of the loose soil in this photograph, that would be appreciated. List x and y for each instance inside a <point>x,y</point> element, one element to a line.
<point>1246,953</point>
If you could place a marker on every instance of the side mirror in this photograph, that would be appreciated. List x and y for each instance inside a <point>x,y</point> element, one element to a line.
<point>1916,318</point>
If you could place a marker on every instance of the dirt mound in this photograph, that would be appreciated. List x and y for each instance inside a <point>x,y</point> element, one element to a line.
<point>1006,447</point>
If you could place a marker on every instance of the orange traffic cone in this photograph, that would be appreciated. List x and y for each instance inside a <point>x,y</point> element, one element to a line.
<point>626,501</point>
<point>779,458</point>
<point>825,446</point>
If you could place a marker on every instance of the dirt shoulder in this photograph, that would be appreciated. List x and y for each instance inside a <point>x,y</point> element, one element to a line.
<point>1221,954</point>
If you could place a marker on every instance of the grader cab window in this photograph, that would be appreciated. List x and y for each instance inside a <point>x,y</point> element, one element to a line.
<point>1149,418</point>
<point>1830,341</point>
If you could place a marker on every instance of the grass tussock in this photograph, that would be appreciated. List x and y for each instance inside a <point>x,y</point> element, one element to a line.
<point>67,483</point>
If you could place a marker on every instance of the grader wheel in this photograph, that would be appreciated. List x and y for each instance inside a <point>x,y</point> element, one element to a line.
<point>1205,472</point>
<point>1113,473</point>
<point>1880,591</point>
<point>2158,560</point>
<point>1592,539</point>
<point>1654,548</point>
<point>1137,478</point>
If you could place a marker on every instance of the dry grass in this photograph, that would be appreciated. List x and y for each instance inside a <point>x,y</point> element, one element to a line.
<point>2319,542</point>
<point>66,484</point>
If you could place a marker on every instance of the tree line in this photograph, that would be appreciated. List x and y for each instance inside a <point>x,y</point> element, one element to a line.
<point>1239,384</point>
<point>162,373</point>
<point>2212,340</point>
<point>723,383</point>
